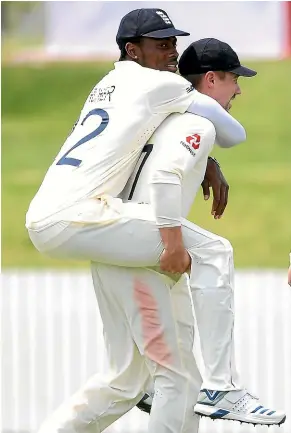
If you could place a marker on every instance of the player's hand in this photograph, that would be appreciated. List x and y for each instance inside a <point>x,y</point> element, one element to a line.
<point>214,179</point>
<point>175,261</point>
<point>289,275</point>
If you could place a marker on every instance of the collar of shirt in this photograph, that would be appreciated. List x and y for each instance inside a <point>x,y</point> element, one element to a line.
<point>127,64</point>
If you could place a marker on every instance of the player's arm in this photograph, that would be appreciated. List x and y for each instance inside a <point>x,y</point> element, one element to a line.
<point>229,131</point>
<point>166,192</point>
<point>175,94</point>
<point>215,180</point>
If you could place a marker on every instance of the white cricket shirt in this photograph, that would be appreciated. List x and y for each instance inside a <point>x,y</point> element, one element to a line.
<point>118,117</point>
<point>172,167</point>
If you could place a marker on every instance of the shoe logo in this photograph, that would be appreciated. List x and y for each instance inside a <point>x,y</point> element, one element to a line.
<point>212,395</point>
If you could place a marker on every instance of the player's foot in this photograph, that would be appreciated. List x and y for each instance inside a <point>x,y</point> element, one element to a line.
<point>237,405</point>
<point>145,403</point>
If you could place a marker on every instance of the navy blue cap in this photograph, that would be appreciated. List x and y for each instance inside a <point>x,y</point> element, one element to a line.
<point>211,55</point>
<point>150,23</point>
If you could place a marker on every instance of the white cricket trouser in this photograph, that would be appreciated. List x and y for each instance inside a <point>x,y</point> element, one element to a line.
<point>148,330</point>
<point>125,234</point>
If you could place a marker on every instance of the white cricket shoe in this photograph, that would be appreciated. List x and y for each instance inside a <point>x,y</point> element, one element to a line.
<point>237,405</point>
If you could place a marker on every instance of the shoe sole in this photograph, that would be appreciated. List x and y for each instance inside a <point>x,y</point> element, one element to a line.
<point>207,411</point>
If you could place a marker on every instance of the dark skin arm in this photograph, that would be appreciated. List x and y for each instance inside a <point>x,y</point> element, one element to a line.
<point>215,180</point>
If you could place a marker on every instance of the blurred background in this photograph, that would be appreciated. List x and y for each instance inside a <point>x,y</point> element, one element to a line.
<point>53,53</point>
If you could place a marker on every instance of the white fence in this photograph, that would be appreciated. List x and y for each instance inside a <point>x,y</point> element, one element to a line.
<point>52,342</point>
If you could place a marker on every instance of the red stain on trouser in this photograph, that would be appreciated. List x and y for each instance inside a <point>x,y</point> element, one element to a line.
<point>155,346</point>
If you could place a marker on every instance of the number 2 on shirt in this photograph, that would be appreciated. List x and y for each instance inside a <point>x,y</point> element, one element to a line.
<point>104,122</point>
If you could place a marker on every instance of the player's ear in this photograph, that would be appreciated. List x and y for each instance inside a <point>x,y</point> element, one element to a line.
<point>210,78</point>
<point>131,50</point>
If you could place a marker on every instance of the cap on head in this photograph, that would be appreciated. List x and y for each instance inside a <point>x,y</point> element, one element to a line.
<point>151,23</point>
<point>211,55</point>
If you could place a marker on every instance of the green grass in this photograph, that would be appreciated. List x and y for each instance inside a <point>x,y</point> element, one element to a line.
<point>40,105</point>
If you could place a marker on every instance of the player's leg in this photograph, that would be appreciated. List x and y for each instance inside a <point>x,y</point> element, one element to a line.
<point>104,399</point>
<point>165,343</point>
<point>182,308</point>
<point>211,285</point>
<point>124,237</point>
<point>100,402</point>
<point>131,238</point>
<point>211,282</point>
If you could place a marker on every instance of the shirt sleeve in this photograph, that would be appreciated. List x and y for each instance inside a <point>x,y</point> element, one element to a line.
<point>229,131</point>
<point>166,200</point>
<point>171,93</point>
<point>184,150</point>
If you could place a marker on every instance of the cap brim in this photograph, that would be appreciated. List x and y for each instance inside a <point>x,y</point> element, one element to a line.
<point>243,71</point>
<point>165,33</point>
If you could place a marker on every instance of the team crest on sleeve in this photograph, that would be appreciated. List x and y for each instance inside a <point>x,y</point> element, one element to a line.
<point>194,141</point>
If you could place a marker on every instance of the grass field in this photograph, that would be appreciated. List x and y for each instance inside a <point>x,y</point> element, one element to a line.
<point>40,105</point>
